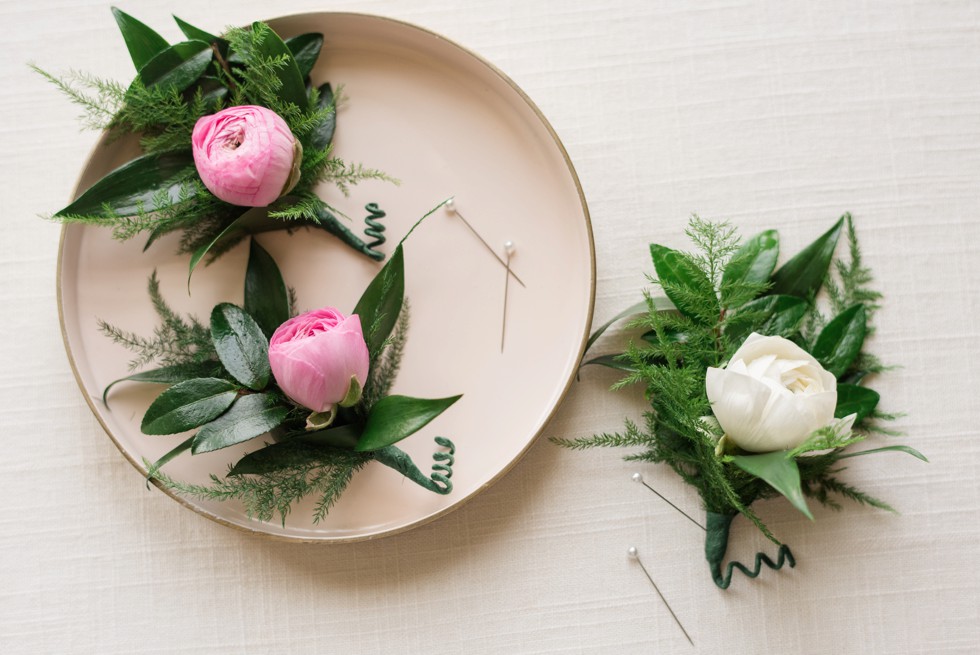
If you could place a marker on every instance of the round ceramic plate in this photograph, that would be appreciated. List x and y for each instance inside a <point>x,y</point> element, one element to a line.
<point>446,124</point>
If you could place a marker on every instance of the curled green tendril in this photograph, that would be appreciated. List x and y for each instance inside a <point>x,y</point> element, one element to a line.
<point>374,227</point>
<point>438,481</point>
<point>716,543</point>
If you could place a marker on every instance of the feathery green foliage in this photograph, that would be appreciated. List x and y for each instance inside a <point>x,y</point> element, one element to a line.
<point>176,339</point>
<point>384,368</point>
<point>313,471</point>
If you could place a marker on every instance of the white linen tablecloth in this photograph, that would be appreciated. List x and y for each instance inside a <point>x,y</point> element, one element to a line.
<point>770,114</point>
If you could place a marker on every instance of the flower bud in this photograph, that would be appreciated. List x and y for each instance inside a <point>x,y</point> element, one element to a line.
<point>319,359</point>
<point>246,155</point>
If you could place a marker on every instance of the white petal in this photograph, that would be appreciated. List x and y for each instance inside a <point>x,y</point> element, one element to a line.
<point>738,402</point>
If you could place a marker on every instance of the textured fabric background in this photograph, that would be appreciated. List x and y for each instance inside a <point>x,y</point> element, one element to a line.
<point>771,114</point>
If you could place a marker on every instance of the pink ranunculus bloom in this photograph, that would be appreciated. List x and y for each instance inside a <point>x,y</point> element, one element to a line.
<point>246,155</point>
<point>314,356</point>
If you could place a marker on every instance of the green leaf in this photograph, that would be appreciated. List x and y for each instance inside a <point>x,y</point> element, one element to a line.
<point>147,183</point>
<point>612,361</point>
<point>169,375</point>
<point>840,341</point>
<point>682,280</point>
<point>395,417</point>
<point>780,471</point>
<point>660,304</point>
<point>187,405</point>
<point>753,263</point>
<point>904,449</point>
<point>381,302</point>
<point>852,399</point>
<point>323,134</point>
<point>178,66</point>
<point>197,34</point>
<point>143,43</point>
<point>306,50</point>
<point>249,417</point>
<point>803,275</point>
<point>152,469</point>
<point>236,228</point>
<point>283,455</point>
<point>241,346</point>
<point>342,436</point>
<point>293,88</point>
<point>777,315</point>
<point>266,297</point>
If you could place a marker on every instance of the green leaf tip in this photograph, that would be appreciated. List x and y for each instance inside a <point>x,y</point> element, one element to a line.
<point>804,274</point>
<point>780,471</point>
<point>142,42</point>
<point>395,417</point>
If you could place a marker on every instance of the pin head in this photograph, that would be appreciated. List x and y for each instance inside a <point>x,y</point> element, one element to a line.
<point>450,206</point>
<point>637,477</point>
<point>509,247</point>
<point>632,552</point>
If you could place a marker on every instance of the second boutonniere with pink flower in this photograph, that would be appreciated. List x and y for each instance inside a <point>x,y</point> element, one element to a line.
<point>757,377</point>
<point>310,391</point>
<point>234,136</point>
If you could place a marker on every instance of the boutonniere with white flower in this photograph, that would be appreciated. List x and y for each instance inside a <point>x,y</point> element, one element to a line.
<point>234,136</point>
<point>757,377</point>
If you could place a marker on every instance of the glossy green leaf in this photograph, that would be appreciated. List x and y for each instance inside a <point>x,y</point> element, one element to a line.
<point>184,446</point>
<point>777,315</point>
<point>241,346</point>
<point>293,88</point>
<point>197,34</point>
<point>187,405</point>
<point>753,263</point>
<point>266,296</point>
<point>236,228</point>
<point>381,302</point>
<point>137,185</point>
<point>395,417</point>
<point>839,343</point>
<point>178,66</point>
<point>250,417</point>
<point>342,436</point>
<point>852,399</point>
<point>282,455</point>
<point>803,275</point>
<point>903,449</point>
<point>678,273</point>
<point>143,43</point>
<point>306,50</point>
<point>323,134</point>
<point>170,375</point>
<point>780,471</point>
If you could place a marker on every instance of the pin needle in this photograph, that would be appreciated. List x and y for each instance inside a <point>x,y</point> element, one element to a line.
<point>509,252</point>
<point>451,208</point>
<point>637,477</point>
<point>634,554</point>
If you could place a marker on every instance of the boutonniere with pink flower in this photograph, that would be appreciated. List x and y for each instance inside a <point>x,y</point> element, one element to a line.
<point>757,377</point>
<point>234,137</point>
<point>309,390</point>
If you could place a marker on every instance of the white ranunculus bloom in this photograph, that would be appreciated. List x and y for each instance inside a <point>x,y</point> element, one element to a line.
<point>772,395</point>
